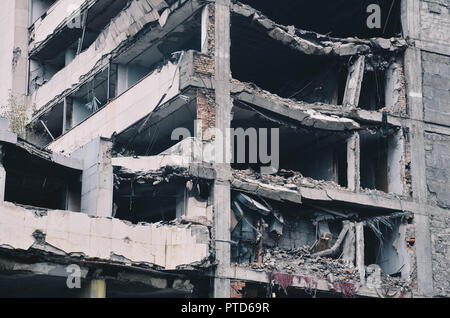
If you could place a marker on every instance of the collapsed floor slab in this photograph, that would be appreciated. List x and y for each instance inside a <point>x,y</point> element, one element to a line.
<point>68,233</point>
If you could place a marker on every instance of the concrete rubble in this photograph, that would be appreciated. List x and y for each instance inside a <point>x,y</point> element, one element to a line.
<point>312,43</point>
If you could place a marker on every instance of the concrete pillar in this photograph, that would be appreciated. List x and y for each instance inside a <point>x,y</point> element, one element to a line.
<point>205,24</point>
<point>359,231</point>
<point>354,82</point>
<point>221,193</point>
<point>14,19</point>
<point>353,162</point>
<point>97,177</point>
<point>95,289</point>
<point>413,75</point>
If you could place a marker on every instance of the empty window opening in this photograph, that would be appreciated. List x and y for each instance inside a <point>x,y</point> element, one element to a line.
<point>318,154</point>
<point>37,182</point>
<point>76,107</point>
<point>153,134</point>
<point>255,58</point>
<point>49,126</point>
<point>381,237</point>
<point>136,202</point>
<point>373,90</point>
<point>382,161</point>
<point>338,18</point>
<point>140,201</point>
<point>90,97</point>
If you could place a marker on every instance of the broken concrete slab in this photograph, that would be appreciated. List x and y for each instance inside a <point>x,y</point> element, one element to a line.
<point>311,43</point>
<point>301,112</point>
<point>67,233</point>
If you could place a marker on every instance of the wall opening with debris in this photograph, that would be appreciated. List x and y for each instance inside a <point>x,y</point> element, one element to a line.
<point>275,67</point>
<point>382,160</point>
<point>261,226</point>
<point>315,153</point>
<point>339,18</point>
<point>385,244</point>
<point>153,134</point>
<point>160,195</point>
<point>37,182</point>
<point>372,96</point>
<point>138,202</point>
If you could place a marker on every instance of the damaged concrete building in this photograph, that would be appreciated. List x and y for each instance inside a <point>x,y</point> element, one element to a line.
<point>94,186</point>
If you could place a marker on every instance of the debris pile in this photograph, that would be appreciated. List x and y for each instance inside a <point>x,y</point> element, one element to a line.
<point>292,180</point>
<point>299,262</point>
<point>165,174</point>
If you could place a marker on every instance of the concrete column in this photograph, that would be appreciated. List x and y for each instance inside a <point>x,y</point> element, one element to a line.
<point>95,289</point>
<point>359,231</point>
<point>354,82</point>
<point>413,75</point>
<point>353,162</point>
<point>205,24</point>
<point>410,16</point>
<point>97,178</point>
<point>14,40</point>
<point>222,195</point>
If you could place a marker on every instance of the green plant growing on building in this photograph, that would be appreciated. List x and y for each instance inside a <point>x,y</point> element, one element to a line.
<point>16,112</point>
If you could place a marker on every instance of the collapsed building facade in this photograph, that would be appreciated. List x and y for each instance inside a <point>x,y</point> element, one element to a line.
<point>91,175</point>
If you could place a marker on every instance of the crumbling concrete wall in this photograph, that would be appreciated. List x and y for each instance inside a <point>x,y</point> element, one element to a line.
<point>437,149</point>
<point>206,113</point>
<point>435,21</point>
<point>439,225</point>
<point>112,240</point>
<point>436,87</point>
<point>97,178</point>
<point>297,233</point>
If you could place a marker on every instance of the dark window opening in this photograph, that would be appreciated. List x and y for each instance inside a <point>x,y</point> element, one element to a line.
<point>382,161</point>
<point>273,66</point>
<point>36,182</point>
<point>153,134</point>
<point>372,95</point>
<point>374,163</point>
<point>340,166</point>
<point>90,97</point>
<point>318,154</point>
<point>337,18</point>
<point>137,202</point>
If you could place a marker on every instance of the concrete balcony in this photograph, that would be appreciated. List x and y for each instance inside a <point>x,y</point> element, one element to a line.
<point>114,241</point>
